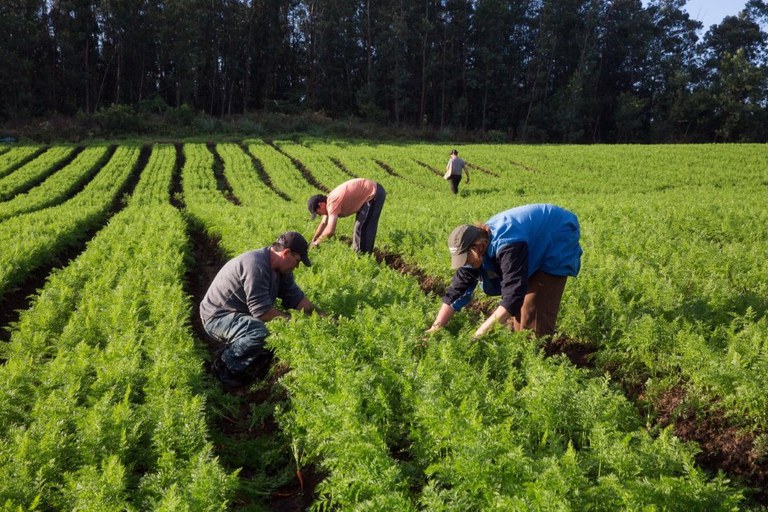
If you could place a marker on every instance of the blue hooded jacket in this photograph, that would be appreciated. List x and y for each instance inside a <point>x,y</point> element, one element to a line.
<point>550,234</point>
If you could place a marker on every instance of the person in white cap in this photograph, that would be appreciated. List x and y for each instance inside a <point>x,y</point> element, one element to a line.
<point>525,255</point>
<point>241,299</point>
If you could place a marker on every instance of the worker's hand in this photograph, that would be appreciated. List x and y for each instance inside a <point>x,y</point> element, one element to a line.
<point>429,332</point>
<point>333,317</point>
<point>483,329</point>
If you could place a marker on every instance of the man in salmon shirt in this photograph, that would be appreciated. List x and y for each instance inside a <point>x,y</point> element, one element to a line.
<point>362,197</point>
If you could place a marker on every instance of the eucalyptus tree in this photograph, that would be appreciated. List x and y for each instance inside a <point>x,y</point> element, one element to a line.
<point>26,52</point>
<point>559,68</point>
<point>737,78</point>
<point>672,69</point>
<point>619,109</point>
<point>74,30</point>
<point>500,42</point>
<point>127,47</point>
<point>338,43</point>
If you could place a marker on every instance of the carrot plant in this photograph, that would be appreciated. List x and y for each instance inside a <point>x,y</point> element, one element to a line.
<point>34,239</point>
<point>56,188</point>
<point>12,157</point>
<point>99,405</point>
<point>33,172</point>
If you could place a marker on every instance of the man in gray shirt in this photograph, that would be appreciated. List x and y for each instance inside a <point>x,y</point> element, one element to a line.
<point>242,298</point>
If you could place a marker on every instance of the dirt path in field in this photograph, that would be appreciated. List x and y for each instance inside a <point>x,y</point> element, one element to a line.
<point>433,170</point>
<point>218,172</point>
<point>343,168</point>
<point>387,168</point>
<point>528,168</point>
<point>483,170</point>
<point>235,428</point>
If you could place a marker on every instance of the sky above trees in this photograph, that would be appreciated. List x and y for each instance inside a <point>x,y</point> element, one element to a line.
<point>712,12</point>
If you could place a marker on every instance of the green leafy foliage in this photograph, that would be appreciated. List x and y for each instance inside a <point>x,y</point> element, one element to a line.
<point>100,403</point>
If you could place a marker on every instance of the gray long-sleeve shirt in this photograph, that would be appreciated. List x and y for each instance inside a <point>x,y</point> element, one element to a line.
<point>247,284</point>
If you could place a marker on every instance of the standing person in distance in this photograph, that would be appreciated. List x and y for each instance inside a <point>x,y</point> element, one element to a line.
<point>525,255</point>
<point>241,299</point>
<point>362,197</point>
<point>454,169</point>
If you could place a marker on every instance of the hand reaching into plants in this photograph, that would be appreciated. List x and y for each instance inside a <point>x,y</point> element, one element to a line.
<point>500,315</point>
<point>443,316</point>
<point>484,328</point>
<point>427,334</point>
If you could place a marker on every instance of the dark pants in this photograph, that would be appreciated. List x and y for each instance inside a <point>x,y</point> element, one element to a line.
<point>455,180</point>
<point>541,304</point>
<point>244,336</point>
<point>367,222</point>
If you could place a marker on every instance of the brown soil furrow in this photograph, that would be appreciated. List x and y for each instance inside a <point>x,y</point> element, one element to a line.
<point>297,495</point>
<point>301,168</point>
<point>476,167</point>
<point>525,167</point>
<point>218,171</point>
<point>434,170</point>
<point>387,168</point>
<point>343,168</point>
<point>723,445</point>
<point>259,167</point>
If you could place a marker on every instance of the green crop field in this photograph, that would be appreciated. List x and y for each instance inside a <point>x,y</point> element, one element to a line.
<point>650,397</point>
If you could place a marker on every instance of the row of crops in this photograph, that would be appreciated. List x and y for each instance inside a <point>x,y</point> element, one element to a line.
<point>105,403</point>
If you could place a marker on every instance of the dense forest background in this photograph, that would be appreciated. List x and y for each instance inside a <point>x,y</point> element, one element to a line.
<point>525,70</point>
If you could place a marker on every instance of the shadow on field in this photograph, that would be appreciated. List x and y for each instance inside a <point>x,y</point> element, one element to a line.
<point>469,190</point>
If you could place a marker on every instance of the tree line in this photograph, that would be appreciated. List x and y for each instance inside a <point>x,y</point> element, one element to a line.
<point>528,70</point>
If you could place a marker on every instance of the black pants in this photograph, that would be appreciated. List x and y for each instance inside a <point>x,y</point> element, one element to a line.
<point>455,180</point>
<point>367,222</point>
